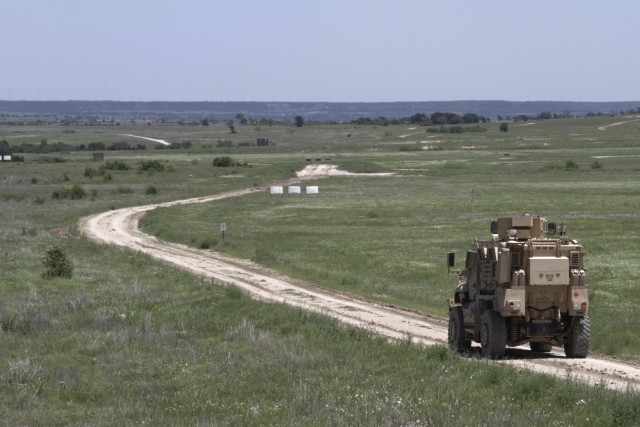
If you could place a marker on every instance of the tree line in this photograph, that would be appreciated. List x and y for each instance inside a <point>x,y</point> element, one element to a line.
<point>422,119</point>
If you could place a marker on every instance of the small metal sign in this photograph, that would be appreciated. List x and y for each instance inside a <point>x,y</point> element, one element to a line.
<point>223,227</point>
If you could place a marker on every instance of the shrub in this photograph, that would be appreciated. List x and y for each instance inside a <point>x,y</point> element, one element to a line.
<point>151,190</point>
<point>75,192</point>
<point>117,165</point>
<point>150,166</point>
<point>223,162</point>
<point>90,172</point>
<point>597,165</point>
<point>57,263</point>
<point>570,165</point>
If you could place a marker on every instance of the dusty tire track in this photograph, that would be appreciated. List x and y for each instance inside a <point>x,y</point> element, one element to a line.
<point>120,228</point>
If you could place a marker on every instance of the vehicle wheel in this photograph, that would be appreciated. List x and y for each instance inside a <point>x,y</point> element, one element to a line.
<point>493,334</point>
<point>457,336</point>
<point>577,345</point>
<point>541,347</point>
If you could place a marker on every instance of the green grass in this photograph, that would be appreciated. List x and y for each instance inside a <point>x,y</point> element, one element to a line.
<point>128,340</point>
<point>385,238</point>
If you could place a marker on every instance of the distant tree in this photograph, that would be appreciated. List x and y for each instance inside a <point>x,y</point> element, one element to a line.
<point>5,147</point>
<point>473,118</point>
<point>419,118</point>
<point>545,115</point>
<point>299,121</point>
<point>504,127</point>
<point>439,118</point>
<point>96,146</point>
<point>381,121</point>
<point>232,128</point>
<point>454,119</point>
<point>241,119</point>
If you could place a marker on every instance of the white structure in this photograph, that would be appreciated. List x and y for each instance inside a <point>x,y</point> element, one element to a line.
<point>312,189</point>
<point>6,158</point>
<point>294,189</point>
<point>277,189</point>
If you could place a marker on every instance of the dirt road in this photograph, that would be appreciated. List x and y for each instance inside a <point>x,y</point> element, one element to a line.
<point>120,227</point>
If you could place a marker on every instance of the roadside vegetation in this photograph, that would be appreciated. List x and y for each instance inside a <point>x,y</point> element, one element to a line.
<point>111,337</point>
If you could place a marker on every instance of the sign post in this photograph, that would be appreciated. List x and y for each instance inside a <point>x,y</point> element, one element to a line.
<point>223,228</point>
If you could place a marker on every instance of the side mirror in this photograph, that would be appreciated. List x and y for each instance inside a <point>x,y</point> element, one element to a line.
<point>451,259</point>
<point>494,227</point>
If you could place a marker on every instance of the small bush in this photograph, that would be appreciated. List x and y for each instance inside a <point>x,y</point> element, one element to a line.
<point>151,190</point>
<point>570,165</point>
<point>118,165</point>
<point>57,263</point>
<point>223,162</point>
<point>150,166</point>
<point>597,165</point>
<point>75,192</point>
<point>90,172</point>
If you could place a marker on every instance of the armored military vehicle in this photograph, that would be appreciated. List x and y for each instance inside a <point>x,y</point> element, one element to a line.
<point>524,285</point>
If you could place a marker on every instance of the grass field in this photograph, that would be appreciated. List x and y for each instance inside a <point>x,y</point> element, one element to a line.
<point>128,340</point>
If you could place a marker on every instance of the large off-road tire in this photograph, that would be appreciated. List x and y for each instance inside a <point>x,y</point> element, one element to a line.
<point>493,334</point>
<point>577,344</point>
<point>541,347</point>
<point>457,337</point>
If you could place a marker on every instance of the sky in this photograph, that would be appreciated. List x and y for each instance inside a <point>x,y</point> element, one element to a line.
<point>320,50</point>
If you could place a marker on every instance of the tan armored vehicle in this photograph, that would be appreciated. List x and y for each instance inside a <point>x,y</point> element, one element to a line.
<point>524,285</point>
